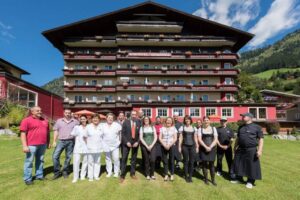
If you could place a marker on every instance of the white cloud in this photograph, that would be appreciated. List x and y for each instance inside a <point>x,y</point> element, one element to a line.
<point>235,13</point>
<point>282,15</point>
<point>5,32</point>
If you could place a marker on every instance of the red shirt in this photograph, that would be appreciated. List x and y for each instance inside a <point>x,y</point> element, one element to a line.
<point>157,128</point>
<point>36,129</point>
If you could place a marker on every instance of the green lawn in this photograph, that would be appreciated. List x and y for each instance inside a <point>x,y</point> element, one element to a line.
<point>267,74</point>
<point>280,168</point>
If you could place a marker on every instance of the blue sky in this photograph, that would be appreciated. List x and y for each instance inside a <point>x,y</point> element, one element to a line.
<point>21,24</point>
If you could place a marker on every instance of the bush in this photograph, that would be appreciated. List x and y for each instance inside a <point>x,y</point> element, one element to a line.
<point>4,123</point>
<point>16,114</point>
<point>294,131</point>
<point>15,129</point>
<point>272,127</point>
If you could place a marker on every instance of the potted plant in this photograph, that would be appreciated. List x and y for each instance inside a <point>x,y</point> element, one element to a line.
<point>166,85</point>
<point>189,68</point>
<point>71,53</point>
<point>97,70</point>
<point>99,86</point>
<point>97,53</point>
<point>190,85</point>
<point>188,54</point>
<point>125,84</point>
<point>135,68</point>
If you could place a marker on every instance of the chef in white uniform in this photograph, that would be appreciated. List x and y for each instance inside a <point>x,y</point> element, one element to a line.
<point>80,149</point>
<point>95,148</point>
<point>111,133</point>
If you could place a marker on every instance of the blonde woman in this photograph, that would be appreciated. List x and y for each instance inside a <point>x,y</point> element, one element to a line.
<point>80,149</point>
<point>167,138</point>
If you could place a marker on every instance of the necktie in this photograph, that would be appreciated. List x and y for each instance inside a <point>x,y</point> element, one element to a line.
<point>133,129</point>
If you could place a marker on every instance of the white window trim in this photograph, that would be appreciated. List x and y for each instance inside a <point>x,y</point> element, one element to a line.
<point>183,113</point>
<point>196,108</point>
<point>211,108</point>
<point>232,114</point>
<point>36,93</point>
<point>257,112</point>
<point>141,109</point>
<point>162,108</point>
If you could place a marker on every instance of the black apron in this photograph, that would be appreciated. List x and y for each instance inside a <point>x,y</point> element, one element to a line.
<point>208,139</point>
<point>246,163</point>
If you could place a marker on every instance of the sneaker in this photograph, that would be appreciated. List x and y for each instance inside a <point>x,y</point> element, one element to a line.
<point>82,179</point>
<point>91,180</point>
<point>219,174</point>
<point>116,175</point>
<point>172,178</point>
<point>28,182</point>
<point>65,175</point>
<point>166,178</point>
<point>108,175</point>
<point>249,185</point>
<point>214,183</point>
<point>153,177</point>
<point>148,178</point>
<point>74,181</point>
<point>97,179</point>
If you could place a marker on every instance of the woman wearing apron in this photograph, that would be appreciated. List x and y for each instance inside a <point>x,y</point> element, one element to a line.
<point>208,137</point>
<point>148,139</point>
<point>188,146</point>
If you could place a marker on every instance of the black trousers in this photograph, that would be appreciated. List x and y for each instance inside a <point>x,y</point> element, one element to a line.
<point>168,158</point>
<point>228,156</point>
<point>188,160</point>
<point>125,153</point>
<point>149,160</point>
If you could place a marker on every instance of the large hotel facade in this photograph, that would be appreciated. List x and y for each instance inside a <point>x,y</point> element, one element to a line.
<point>153,58</point>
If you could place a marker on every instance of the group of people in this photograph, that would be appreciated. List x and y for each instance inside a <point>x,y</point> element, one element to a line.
<point>171,142</point>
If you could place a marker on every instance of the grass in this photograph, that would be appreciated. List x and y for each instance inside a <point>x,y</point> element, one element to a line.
<point>267,74</point>
<point>280,168</point>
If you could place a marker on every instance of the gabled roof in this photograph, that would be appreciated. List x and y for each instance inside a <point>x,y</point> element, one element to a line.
<point>105,24</point>
<point>280,93</point>
<point>7,65</point>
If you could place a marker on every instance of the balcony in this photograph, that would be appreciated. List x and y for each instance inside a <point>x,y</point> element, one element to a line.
<point>89,88</point>
<point>97,56</point>
<point>89,72</point>
<point>176,88</point>
<point>178,72</point>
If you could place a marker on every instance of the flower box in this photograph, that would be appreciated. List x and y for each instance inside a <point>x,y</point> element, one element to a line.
<point>125,85</point>
<point>97,53</point>
<point>188,53</point>
<point>166,85</point>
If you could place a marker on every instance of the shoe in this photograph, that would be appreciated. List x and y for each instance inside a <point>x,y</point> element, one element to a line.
<point>56,176</point>
<point>219,174</point>
<point>122,180</point>
<point>172,178</point>
<point>29,182</point>
<point>74,181</point>
<point>148,178</point>
<point>65,175</point>
<point>91,180</point>
<point>82,179</point>
<point>153,177</point>
<point>108,175</point>
<point>214,183</point>
<point>187,180</point>
<point>166,178</point>
<point>190,179</point>
<point>206,182</point>
<point>249,185</point>
<point>97,179</point>
<point>116,175</point>
<point>133,177</point>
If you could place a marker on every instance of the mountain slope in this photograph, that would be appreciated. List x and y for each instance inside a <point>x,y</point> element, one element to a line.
<point>56,86</point>
<point>282,54</point>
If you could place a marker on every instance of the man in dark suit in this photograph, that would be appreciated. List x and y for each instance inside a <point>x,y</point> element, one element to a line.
<point>130,141</point>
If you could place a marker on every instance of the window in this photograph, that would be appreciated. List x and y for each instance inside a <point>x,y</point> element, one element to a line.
<point>195,112</point>
<point>78,99</point>
<point>258,113</point>
<point>146,66</point>
<point>204,97</point>
<point>227,112</point>
<point>146,97</point>
<point>78,82</point>
<point>205,66</point>
<point>166,81</point>
<point>179,110</point>
<point>22,96</point>
<point>210,111</point>
<point>130,97</point>
<point>107,67</point>
<point>107,82</point>
<point>227,65</point>
<point>228,81</point>
<point>193,97</point>
<point>166,97</point>
<point>94,98</point>
<point>94,82</point>
<point>129,66</point>
<point>179,82</point>
<point>194,82</point>
<point>162,112</point>
<point>204,82</point>
<point>228,96</point>
<point>179,66</point>
<point>147,112</point>
<point>180,97</point>
<point>131,81</point>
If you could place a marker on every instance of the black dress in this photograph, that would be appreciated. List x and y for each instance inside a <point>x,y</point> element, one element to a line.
<point>208,139</point>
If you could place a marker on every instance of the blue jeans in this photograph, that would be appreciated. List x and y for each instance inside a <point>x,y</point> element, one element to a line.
<point>37,153</point>
<point>68,146</point>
